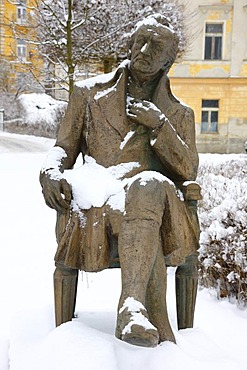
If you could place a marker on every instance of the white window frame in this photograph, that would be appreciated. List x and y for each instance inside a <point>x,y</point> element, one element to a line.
<point>21,9</point>
<point>223,22</point>
<point>21,50</point>
<point>210,110</point>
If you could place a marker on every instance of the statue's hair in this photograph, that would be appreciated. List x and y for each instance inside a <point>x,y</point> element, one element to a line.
<point>173,50</point>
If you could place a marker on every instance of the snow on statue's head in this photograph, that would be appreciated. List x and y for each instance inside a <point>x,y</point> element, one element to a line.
<point>158,23</point>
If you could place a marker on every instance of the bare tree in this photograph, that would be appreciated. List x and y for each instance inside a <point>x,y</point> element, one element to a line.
<point>5,72</point>
<point>105,34</point>
<point>69,32</point>
<point>57,35</point>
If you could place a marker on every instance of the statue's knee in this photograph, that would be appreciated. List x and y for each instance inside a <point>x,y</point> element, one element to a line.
<point>189,267</point>
<point>146,199</point>
<point>62,270</point>
<point>143,183</point>
<point>145,190</point>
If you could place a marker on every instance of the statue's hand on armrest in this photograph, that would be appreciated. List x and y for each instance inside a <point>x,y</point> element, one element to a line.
<point>57,192</point>
<point>191,190</point>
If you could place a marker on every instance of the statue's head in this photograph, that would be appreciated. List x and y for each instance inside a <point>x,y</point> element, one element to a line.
<point>153,45</point>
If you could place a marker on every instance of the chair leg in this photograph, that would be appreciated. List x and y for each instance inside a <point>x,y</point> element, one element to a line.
<point>65,287</point>
<point>186,291</point>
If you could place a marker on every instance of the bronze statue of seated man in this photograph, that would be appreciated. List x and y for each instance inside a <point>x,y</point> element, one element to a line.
<point>129,122</point>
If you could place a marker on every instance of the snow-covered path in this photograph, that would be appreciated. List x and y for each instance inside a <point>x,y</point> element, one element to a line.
<point>28,340</point>
<point>10,143</point>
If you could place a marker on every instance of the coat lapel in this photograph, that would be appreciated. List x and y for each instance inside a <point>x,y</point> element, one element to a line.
<point>112,102</point>
<point>165,101</point>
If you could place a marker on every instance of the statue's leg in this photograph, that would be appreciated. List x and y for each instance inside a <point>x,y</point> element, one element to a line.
<point>65,287</point>
<point>136,261</point>
<point>156,299</point>
<point>186,291</point>
<point>138,244</point>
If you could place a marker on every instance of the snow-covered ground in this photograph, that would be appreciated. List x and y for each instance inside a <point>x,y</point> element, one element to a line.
<point>28,339</point>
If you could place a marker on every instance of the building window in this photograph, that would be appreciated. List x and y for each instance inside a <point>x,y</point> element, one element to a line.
<point>210,112</point>
<point>21,12</point>
<point>21,49</point>
<point>213,41</point>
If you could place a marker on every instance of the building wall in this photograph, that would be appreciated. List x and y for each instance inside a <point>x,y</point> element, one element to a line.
<point>193,79</point>
<point>232,96</point>
<point>10,31</point>
<point>225,80</point>
<point>1,27</point>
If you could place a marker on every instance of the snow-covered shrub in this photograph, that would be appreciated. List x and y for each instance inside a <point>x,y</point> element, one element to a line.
<point>41,114</point>
<point>223,219</point>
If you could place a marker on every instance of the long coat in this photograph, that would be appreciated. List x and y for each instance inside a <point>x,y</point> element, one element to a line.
<point>96,124</point>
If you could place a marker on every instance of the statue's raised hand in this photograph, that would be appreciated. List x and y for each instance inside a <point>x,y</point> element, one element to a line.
<point>57,193</point>
<point>145,113</point>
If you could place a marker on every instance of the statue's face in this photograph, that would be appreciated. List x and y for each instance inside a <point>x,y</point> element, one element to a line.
<point>150,49</point>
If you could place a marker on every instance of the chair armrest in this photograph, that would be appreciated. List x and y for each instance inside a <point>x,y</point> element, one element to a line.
<point>191,190</point>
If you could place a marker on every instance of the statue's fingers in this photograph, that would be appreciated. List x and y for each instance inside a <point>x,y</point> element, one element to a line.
<point>130,106</point>
<point>130,100</point>
<point>49,203</point>
<point>62,203</point>
<point>135,109</point>
<point>132,111</point>
<point>135,103</point>
<point>133,117</point>
<point>138,101</point>
<point>146,103</point>
<point>66,190</point>
<point>54,205</point>
<point>59,203</point>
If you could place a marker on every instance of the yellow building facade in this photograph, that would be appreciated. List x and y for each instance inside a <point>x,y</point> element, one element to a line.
<point>212,78</point>
<point>18,52</point>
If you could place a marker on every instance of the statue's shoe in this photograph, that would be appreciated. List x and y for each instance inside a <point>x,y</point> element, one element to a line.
<point>134,327</point>
<point>139,336</point>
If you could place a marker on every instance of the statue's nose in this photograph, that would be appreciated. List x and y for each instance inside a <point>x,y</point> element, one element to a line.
<point>146,49</point>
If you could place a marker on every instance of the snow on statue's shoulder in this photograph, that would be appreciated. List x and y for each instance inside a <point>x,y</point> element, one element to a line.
<point>92,81</point>
<point>102,78</point>
<point>106,92</point>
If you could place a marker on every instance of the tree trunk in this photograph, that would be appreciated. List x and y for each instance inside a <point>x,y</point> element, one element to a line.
<point>108,64</point>
<point>70,64</point>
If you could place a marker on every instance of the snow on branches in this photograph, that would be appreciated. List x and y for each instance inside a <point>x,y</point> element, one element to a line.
<point>73,31</point>
<point>223,219</point>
